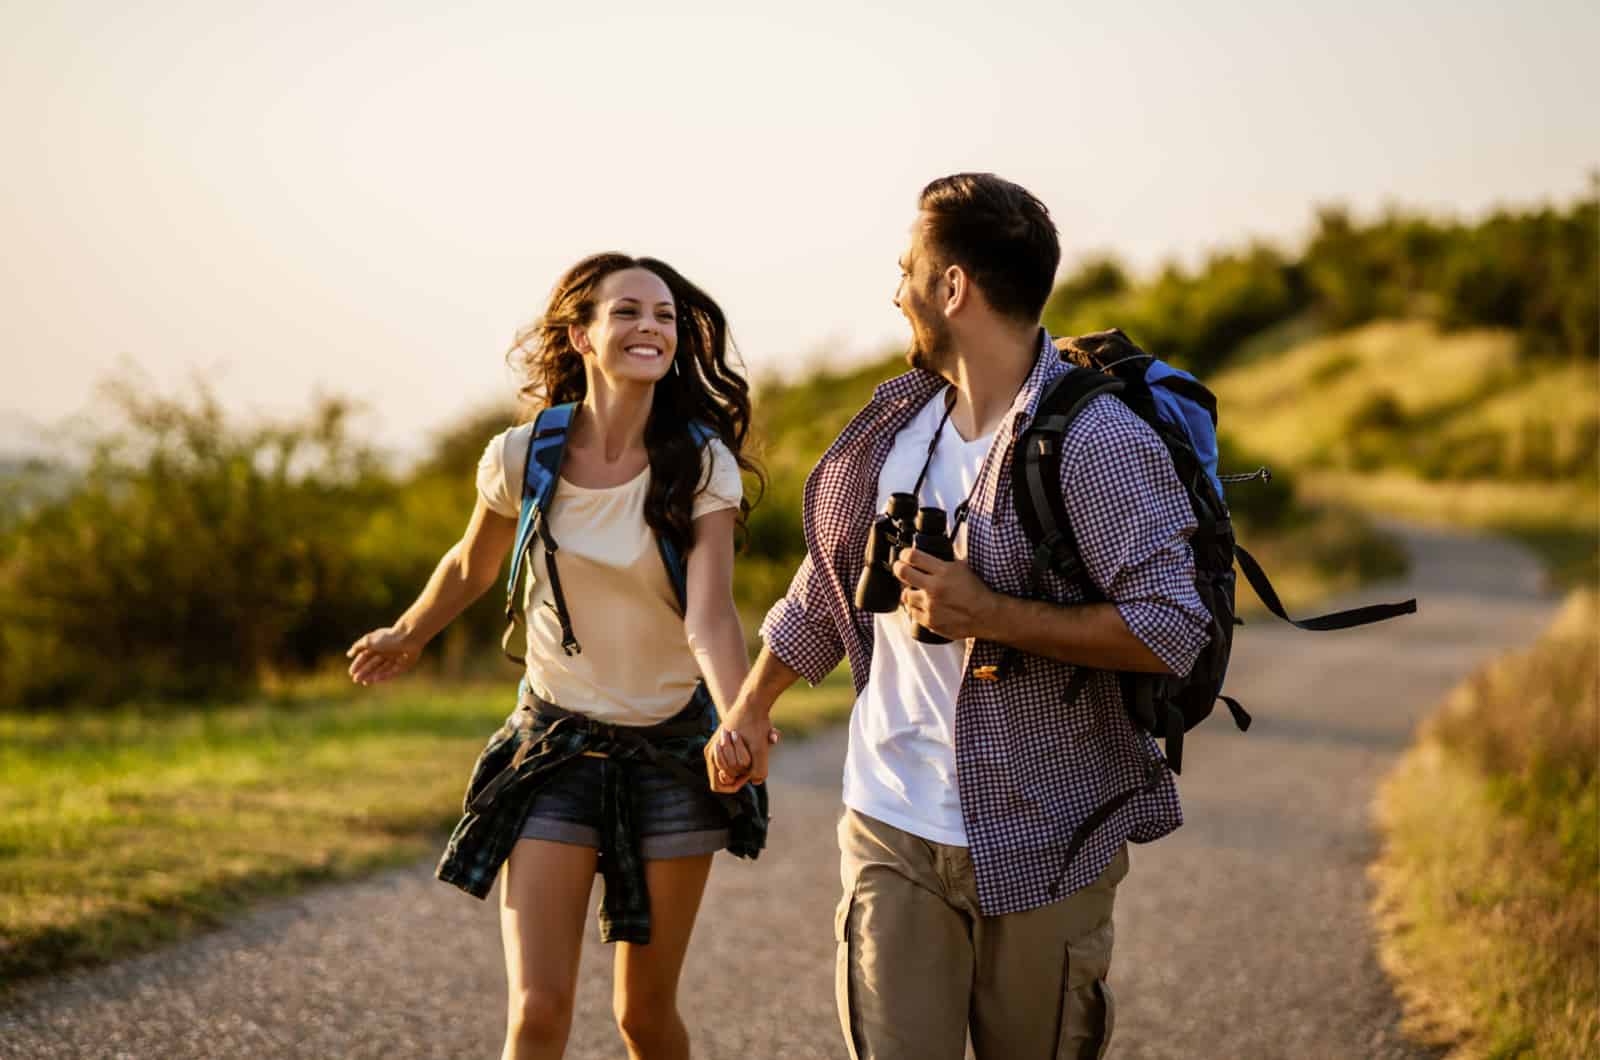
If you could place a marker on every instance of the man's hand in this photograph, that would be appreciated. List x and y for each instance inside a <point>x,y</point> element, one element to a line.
<point>945,595</point>
<point>736,754</point>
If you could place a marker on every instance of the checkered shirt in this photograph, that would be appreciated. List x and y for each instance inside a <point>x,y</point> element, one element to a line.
<point>1030,767</point>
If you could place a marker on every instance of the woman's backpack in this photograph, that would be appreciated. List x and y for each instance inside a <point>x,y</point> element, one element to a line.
<point>542,472</point>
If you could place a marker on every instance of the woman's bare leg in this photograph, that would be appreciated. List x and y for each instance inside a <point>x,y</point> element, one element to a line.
<point>645,991</point>
<point>544,900</point>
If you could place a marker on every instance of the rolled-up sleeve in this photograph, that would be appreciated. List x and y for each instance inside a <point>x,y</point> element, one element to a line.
<point>798,629</point>
<point>1132,520</point>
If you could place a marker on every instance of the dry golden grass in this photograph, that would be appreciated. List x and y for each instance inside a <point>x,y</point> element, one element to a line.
<point>1399,419</point>
<point>1483,505</point>
<point>1311,405</point>
<point>1488,899</point>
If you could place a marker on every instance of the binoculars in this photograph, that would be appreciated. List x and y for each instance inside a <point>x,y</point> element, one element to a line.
<point>902,525</point>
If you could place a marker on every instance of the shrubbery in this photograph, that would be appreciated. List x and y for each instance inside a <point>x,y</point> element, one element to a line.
<point>1488,878</point>
<point>191,555</point>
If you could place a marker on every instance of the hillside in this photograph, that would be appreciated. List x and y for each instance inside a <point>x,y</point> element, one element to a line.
<point>1399,418</point>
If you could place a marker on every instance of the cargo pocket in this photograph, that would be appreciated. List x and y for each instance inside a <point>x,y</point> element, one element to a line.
<point>1088,1011</point>
<point>842,931</point>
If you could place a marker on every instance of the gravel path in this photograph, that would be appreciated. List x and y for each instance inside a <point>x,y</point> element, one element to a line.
<point>1242,935</point>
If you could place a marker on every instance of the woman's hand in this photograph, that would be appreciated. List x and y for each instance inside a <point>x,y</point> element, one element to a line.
<point>382,654</point>
<point>730,763</point>
<point>463,574</point>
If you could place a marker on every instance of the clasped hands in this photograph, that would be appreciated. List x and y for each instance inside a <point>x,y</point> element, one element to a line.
<point>943,595</point>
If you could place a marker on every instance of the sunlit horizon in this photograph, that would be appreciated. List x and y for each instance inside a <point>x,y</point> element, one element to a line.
<point>368,199</point>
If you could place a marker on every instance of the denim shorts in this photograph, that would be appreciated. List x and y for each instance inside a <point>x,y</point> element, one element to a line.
<point>672,819</point>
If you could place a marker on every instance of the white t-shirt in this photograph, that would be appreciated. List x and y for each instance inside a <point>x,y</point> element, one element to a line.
<point>901,764</point>
<point>635,667</point>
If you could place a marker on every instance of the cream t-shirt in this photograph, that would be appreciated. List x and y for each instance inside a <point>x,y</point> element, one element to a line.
<point>635,667</point>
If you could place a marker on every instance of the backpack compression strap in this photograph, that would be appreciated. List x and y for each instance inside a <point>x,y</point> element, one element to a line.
<point>1358,616</point>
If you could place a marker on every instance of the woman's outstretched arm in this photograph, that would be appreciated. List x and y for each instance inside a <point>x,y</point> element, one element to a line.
<point>463,574</point>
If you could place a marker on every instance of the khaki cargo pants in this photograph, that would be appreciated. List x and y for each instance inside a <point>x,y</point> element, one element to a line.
<point>919,967</point>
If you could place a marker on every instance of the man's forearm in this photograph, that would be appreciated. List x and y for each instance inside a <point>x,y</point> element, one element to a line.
<point>768,679</point>
<point>1082,634</point>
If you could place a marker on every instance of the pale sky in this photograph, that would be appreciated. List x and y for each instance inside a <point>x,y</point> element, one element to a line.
<point>368,198</point>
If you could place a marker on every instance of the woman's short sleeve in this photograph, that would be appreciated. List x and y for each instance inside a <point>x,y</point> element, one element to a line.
<point>724,487</point>
<point>500,470</point>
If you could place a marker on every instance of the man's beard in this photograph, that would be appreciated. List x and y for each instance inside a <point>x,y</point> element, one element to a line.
<point>931,345</point>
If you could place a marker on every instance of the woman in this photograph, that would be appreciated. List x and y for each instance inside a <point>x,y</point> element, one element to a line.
<point>599,768</point>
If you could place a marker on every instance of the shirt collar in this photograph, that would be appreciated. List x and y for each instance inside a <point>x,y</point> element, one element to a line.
<point>1047,365</point>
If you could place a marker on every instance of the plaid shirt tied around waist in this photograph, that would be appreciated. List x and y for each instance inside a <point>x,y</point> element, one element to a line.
<point>1030,767</point>
<point>526,751</point>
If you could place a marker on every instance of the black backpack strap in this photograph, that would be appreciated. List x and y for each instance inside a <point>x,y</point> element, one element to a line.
<point>1358,616</point>
<point>1174,737</point>
<point>1036,472</point>
<point>1241,717</point>
<point>558,604</point>
<point>1154,771</point>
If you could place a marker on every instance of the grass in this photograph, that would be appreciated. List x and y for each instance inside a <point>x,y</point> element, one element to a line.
<point>1403,395</point>
<point>1488,898</point>
<point>1399,419</point>
<point>125,829</point>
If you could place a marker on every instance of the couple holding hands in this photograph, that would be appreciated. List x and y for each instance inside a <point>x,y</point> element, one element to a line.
<point>642,735</point>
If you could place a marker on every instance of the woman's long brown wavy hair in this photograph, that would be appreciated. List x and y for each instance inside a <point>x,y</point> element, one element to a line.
<point>701,386</point>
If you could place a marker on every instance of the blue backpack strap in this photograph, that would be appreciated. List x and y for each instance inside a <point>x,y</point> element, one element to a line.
<point>541,473</point>
<point>701,432</point>
<point>671,557</point>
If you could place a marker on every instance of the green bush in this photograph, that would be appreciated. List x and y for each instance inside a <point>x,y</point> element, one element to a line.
<point>190,557</point>
<point>1196,321</point>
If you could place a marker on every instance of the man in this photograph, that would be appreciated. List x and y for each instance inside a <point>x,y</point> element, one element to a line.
<point>967,774</point>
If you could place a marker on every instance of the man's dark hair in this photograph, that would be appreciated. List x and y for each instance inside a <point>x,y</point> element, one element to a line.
<point>1000,234</point>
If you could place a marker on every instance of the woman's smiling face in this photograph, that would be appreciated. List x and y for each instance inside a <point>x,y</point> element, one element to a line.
<point>633,333</point>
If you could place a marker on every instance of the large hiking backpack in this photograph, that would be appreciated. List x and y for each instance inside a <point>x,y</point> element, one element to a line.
<point>546,450</point>
<point>1183,414</point>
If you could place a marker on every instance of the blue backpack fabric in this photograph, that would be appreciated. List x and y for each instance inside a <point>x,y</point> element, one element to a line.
<point>1181,401</point>
<point>546,452</point>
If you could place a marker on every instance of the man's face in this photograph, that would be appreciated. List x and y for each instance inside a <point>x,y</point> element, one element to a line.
<point>918,297</point>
